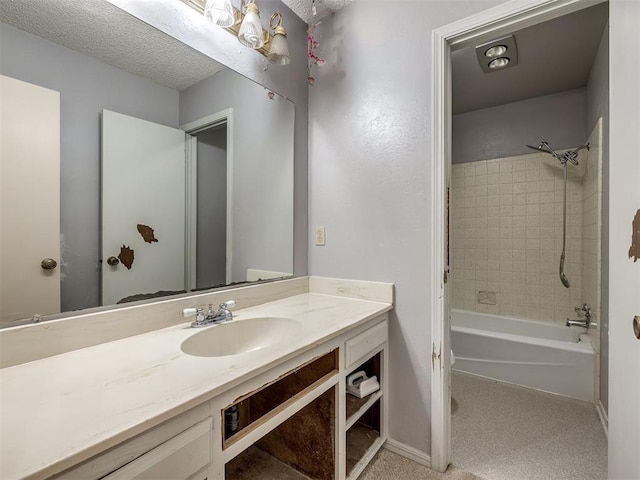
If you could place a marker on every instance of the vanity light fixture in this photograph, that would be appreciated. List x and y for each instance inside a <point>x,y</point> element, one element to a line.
<point>219,12</point>
<point>245,24</point>
<point>497,54</point>
<point>279,48</point>
<point>250,33</point>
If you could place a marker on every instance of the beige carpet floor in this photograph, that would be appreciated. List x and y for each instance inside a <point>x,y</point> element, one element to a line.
<point>387,465</point>
<point>505,432</point>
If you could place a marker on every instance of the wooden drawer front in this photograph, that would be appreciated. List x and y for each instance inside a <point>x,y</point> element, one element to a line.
<point>175,459</point>
<point>359,346</point>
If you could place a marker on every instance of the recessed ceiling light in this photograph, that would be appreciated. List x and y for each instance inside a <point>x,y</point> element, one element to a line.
<point>496,51</point>
<point>500,62</point>
<point>497,54</point>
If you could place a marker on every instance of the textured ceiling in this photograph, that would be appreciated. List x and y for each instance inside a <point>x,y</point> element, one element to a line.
<point>324,8</point>
<point>553,56</point>
<point>102,30</point>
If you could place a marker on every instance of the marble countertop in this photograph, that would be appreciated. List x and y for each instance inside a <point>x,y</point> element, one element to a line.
<point>61,410</point>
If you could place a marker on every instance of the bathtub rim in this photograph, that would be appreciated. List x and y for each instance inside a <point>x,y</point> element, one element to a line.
<point>583,345</point>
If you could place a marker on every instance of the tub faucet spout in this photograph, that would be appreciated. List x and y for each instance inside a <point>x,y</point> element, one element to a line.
<point>584,323</point>
<point>584,318</point>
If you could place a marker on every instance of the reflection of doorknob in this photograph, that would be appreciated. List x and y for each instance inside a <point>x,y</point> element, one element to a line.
<point>113,261</point>
<point>48,264</point>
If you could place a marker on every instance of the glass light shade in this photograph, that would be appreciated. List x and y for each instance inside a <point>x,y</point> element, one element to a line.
<point>219,12</point>
<point>250,34</point>
<point>499,63</point>
<point>279,50</point>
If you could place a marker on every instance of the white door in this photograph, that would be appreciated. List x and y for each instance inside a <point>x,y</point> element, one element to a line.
<point>143,207</point>
<point>29,199</point>
<point>624,272</point>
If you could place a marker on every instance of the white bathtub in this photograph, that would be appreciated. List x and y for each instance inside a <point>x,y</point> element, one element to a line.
<point>533,354</point>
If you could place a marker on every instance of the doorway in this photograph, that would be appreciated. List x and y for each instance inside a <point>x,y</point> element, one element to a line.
<point>509,303</point>
<point>494,23</point>
<point>211,208</point>
<point>209,200</point>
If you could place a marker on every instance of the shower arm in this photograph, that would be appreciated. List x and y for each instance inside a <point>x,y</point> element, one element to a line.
<point>563,158</point>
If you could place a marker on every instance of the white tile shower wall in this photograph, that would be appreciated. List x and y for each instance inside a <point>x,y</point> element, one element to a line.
<point>591,230</point>
<point>506,235</point>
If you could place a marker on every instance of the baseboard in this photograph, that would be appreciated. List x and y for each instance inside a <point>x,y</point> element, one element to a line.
<point>408,452</point>
<point>604,419</point>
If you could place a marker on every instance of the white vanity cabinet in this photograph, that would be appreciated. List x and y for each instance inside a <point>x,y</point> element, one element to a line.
<point>180,448</point>
<point>294,420</point>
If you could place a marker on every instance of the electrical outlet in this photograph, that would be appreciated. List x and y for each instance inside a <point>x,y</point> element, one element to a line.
<point>320,235</point>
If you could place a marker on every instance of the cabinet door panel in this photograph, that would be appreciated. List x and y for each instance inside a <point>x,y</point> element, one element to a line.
<point>176,459</point>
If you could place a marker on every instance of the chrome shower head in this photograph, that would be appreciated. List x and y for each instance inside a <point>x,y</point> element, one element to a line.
<point>563,277</point>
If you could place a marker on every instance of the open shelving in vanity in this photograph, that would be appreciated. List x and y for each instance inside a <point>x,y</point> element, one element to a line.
<point>333,436</point>
<point>364,421</point>
<point>304,442</point>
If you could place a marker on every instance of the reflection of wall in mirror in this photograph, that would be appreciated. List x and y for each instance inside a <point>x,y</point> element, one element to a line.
<point>86,86</point>
<point>262,236</point>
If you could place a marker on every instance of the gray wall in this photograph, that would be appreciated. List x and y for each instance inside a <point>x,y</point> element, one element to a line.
<point>598,106</point>
<point>370,150</point>
<point>289,81</point>
<point>503,131</point>
<point>262,168</point>
<point>211,244</point>
<point>86,86</point>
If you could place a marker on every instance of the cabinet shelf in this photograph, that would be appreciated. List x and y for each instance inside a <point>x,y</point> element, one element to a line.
<point>256,463</point>
<point>357,465</point>
<point>256,408</point>
<point>363,437</point>
<point>356,407</point>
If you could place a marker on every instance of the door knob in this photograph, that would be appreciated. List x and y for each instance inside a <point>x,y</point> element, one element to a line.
<point>48,264</point>
<point>636,326</point>
<point>113,261</point>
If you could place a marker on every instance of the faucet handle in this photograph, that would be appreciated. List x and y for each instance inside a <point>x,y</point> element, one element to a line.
<point>190,312</point>
<point>228,305</point>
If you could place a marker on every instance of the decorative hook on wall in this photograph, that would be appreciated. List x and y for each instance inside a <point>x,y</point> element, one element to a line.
<point>312,44</point>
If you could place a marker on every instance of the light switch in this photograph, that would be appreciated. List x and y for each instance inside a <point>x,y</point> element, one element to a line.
<point>319,234</point>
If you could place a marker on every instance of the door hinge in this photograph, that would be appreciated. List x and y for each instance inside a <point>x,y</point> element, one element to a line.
<point>434,357</point>
<point>446,276</point>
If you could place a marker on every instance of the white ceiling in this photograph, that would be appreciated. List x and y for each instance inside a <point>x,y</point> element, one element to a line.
<point>324,8</point>
<point>553,56</point>
<point>104,31</point>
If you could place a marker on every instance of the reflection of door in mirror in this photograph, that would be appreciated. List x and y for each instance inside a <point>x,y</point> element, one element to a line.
<point>143,207</point>
<point>30,179</point>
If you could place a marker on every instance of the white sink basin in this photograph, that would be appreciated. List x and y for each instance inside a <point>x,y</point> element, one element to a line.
<point>240,336</point>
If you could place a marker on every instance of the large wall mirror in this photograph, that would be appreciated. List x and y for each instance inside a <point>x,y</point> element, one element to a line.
<point>133,166</point>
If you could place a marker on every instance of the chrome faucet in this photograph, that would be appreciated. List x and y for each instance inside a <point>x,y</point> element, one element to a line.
<point>584,318</point>
<point>203,319</point>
